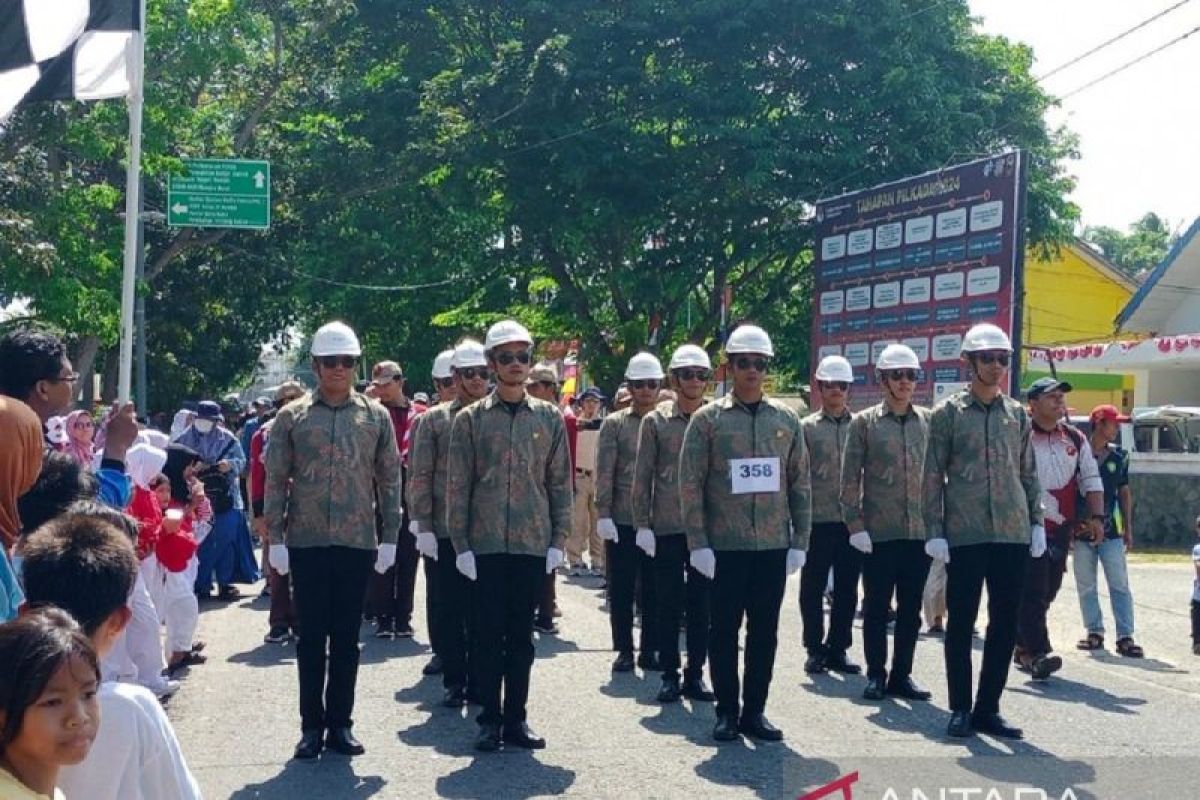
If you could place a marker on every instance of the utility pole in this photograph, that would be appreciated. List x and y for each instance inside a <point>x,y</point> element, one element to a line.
<point>139,308</point>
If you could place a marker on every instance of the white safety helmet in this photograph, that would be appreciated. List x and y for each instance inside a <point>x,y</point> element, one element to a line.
<point>897,356</point>
<point>469,353</point>
<point>689,355</point>
<point>835,368</point>
<point>335,339</point>
<point>985,336</point>
<point>442,364</point>
<point>644,366</point>
<point>749,339</point>
<point>506,332</point>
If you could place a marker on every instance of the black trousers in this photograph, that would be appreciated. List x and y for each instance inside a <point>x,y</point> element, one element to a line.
<point>748,585</point>
<point>328,601</point>
<point>547,602</point>
<point>432,598</point>
<point>453,622</point>
<point>503,602</point>
<point>894,568</point>
<point>674,593</point>
<point>1002,568</point>
<point>627,565</point>
<point>829,548</point>
<point>1195,622</point>
<point>1043,579</point>
<point>391,594</point>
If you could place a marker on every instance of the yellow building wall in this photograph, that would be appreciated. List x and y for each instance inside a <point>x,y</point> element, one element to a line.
<point>1068,300</point>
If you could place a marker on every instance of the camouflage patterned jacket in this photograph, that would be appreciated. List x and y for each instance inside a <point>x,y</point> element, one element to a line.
<point>713,515</point>
<point>427,467</point>
<point>825,438</point>
<point>323,467</point>
<point>656,474</point>
<point>883,473</point>
<point>616,454</point>
<point>508,486</point>
<point>981,482</point>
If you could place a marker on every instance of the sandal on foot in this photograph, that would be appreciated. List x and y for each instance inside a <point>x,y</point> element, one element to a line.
<point>1128,648</point>
<point>1094,641</point>
<point>198,646</point>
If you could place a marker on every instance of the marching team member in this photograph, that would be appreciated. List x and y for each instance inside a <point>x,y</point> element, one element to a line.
<point>829,549</point>
<point>744,486</point>
<point>331,452</point>
<point>542,383</point>
<point>881,503</point>
<point>983,519</point>
<point>629,553</point>
<point>508,500</point>
<point>427,504</point>
<point>659,520</point>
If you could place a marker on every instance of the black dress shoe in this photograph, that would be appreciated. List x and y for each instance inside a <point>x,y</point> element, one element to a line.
<point>341,740</point>
<point>649,662</point>
<point>669,691</point>
<point>455,697</point>
<point>694,689</point>
<point>1043,667</point>
<point>488,739</point>
<point>906,688</point>
<point>434,667</point>
<point>875,689</point>
<point>815,664</point>
<point>757,726</point>
<point>960,725</point>
<point>837,662</point>
<point>623,663</point>
<point>726,729</point>
<point>521,735</point>
<point>995,725</point>
<point>309,746</point>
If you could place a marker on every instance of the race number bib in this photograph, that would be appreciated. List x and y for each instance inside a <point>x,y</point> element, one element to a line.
<point>754,475</point>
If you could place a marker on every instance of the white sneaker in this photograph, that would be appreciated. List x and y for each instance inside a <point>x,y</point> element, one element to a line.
<point>164,688</point>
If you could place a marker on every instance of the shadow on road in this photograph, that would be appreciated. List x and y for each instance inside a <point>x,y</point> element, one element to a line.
<point>1067,691</point>
<point>639,686</point>
<point>508,774</point>
<point>768,769</point>
<point>1147,664</point>
<point>333,776</point>
<point>266,654</point>
<point>692,721</point>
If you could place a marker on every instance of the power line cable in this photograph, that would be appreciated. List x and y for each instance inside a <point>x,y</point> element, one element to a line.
<point>1111,41</point>
<point>1129,64</point>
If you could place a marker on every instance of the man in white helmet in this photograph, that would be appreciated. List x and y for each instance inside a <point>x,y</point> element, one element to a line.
<point>983,519</point>
<point>332,453</point>
<point>628,553</point>
<point>508,513</point>
<point>448,589</point>
<point>829,549</point>
<point>744,486</point>
<point>659,520</point>
<point>882,478</point>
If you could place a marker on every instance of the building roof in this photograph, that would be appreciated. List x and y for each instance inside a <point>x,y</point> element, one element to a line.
<point>1099,262</point>
<point>1160,295</point>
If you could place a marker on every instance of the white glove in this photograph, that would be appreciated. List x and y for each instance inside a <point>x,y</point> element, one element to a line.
<point>606,529</point>
<point>861,541</point>
<point>465,563</point>
<point>795,560</point>
<point>938,549</point>
<point>1037,544</point>
<point>645,540</point>
<point>704,561</point>
<point>385,558</point>
<point>555,558</point>
<point>427,544</point>
<point>277,557</point>
<point>414,528</point>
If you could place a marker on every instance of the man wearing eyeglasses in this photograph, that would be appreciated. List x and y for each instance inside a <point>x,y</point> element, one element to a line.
<point>628,553</point>
<point>333,452</point>
<point>745,490</point>
<point>659,520</point>
<point>508,512</point>
<point>983,519</point>
<point>881,504</point>
<point>830,549</point>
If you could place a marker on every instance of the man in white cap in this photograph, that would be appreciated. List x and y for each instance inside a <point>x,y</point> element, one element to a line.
<point>331,452</point>
<point>744,485</point>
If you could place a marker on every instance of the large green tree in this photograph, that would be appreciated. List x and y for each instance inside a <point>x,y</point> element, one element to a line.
<point>1137,249</point>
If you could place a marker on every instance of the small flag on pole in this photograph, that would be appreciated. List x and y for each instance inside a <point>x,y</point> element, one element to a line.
<point>65,50</point>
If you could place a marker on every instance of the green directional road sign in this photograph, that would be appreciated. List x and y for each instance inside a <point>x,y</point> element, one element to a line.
<point>220,193</point>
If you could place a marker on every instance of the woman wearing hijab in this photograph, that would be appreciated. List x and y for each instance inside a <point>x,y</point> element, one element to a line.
<point>20,463</point>
<point>80,431</point>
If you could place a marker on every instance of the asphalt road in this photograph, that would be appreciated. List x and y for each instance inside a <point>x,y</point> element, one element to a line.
<point>1105,727</point>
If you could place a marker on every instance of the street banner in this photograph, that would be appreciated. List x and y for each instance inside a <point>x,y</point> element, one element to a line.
<point>919,261</point>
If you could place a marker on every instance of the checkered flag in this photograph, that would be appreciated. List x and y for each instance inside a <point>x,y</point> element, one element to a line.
<point>65,50</point>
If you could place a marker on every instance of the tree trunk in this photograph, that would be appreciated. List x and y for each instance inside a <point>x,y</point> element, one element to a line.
<point>84,359</point>
<point>112,363</point>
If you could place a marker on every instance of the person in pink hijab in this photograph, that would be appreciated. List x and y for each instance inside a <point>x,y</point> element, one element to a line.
<point>80,431</point>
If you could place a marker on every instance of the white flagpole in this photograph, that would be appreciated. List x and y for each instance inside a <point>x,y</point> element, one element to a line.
<point>136,67</point>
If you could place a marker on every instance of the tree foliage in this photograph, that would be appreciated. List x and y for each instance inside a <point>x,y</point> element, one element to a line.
<point>1138,249</point>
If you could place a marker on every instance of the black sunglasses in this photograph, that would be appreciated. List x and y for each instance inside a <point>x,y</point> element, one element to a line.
<point>693,374</point>
<point>331,362</point>
<point>757,364</point>
<point>993,358</point>
<point>505,358</point>
<point>444,382</point>
<point>645,384</point>
<point>901,375</point>
<point>841,386</point>
<point>470,373</point>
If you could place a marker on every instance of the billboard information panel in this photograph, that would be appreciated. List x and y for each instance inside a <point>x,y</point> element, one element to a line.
<point>919,261</point>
